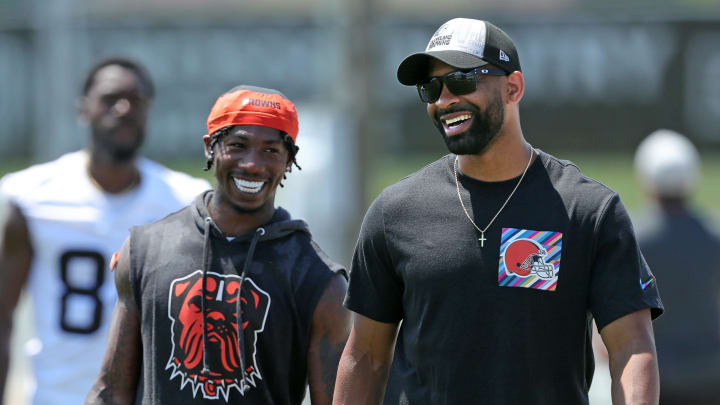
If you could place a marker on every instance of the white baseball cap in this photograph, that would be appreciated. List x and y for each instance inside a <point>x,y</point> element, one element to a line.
<point>668,163</point>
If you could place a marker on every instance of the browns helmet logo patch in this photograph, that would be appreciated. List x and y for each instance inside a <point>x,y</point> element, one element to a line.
<point>530,259</point>
<point>223,353</point>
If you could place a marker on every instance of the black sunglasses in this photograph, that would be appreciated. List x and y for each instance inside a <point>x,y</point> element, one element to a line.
<point>457,82</point>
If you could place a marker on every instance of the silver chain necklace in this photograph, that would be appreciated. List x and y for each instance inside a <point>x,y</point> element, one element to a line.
<point>457,186</point>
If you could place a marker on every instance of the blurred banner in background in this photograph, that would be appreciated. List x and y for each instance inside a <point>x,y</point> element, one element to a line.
<point>611,72</point>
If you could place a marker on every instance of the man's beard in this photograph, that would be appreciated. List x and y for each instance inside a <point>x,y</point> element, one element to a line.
<point>482,132</point>
<point>117,152</point>
<point>122,155</point>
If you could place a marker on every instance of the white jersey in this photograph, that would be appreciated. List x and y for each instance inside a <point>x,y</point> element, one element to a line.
<point>75,228</point>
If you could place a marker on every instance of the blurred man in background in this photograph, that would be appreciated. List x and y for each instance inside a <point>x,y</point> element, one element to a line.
<point>681,247</point>
<point>495,257</point>
<point>228,299</point>
<point>3,213</point>
<point>66,219</point>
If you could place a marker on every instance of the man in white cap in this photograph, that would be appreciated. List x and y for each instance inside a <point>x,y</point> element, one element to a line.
<point>495,258</point>
<point>680,247</point>
<point>3,210</point>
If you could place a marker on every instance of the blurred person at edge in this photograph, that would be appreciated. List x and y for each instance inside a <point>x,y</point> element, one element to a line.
<point>65,220</point>
<point>495,258</point>
<point>228,300</point>
<point>3,214</point>
<point>680,246</point>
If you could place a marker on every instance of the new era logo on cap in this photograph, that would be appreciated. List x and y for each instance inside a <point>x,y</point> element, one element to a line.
<point>503,56</point>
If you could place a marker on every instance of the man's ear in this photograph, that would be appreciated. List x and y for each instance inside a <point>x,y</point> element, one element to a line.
<point>515,87</point>
<point>206,145</point>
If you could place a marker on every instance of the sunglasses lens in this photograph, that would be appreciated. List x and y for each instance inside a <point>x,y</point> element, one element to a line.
<point>460,83</point>
<point>429,92</point>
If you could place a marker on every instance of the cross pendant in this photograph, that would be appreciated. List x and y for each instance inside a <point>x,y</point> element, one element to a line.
<point>482,239</point>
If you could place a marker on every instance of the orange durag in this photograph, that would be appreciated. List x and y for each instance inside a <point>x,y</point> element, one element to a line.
<point>252,106</point>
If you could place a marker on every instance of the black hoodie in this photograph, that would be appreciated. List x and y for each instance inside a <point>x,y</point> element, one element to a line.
<point>193,359</point>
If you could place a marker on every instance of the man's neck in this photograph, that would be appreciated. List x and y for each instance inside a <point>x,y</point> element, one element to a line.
<point>112,177</point>
<point>234,223</point>
<point>672,205</point>
<point>506,158</point>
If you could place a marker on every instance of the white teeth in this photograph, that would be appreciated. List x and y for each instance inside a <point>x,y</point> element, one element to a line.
<point>453,120</point>
<point>248,186</point>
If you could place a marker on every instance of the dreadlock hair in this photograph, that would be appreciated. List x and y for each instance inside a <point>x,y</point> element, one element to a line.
<point>214,138</point>
<point>287,141</point>
<point>292,152</point>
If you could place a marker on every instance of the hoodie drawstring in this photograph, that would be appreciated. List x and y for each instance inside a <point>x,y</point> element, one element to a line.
<point>246,267</point>
<point>207,259</point>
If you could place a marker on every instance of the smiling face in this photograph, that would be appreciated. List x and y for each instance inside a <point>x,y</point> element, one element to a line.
<point>471,122</point>
<point>249,163</point>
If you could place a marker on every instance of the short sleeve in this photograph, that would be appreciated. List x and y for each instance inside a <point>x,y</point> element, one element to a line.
<point>374,289</point>
<point>621,281</point>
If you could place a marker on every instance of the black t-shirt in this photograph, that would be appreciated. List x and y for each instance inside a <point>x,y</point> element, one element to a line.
<point>507,323</point>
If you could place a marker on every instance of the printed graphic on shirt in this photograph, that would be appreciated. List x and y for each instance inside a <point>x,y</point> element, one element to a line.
<point>220,347</point>
<point>529,259</point>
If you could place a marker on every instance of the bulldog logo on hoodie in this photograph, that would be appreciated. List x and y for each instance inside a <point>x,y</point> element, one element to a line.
<point>210,364</point>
